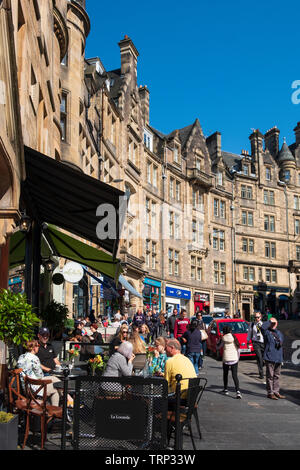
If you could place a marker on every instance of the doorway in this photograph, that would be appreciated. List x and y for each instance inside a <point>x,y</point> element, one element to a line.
<point>246,311</point>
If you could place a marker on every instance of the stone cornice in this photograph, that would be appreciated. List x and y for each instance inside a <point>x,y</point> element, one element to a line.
<point>61,32</point>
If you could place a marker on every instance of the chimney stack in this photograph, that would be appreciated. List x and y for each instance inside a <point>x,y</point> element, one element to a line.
<point>256,139</point>
<point>272,141</point>
<point>144,99</point>
<point>297,133</point>
<point>213,143</point>
<point>129,55</point>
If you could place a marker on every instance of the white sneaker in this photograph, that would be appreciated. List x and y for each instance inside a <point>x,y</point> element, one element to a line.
<point>238,394</point>
<point>225,391</point>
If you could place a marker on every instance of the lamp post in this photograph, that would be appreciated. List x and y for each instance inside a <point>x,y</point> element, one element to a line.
<point>25,227</point>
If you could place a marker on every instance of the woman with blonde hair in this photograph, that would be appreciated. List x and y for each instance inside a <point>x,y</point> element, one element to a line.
<point>139,346</point>
<point>119,338</point>
<point>144,333</point>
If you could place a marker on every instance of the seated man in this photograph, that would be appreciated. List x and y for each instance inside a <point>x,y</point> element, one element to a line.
<point>46,353</point>
<point>177,364</point>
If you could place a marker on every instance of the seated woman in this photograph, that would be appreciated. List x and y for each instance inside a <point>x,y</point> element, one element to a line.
<point>139,346</point>
<point>96,336</point>
<point>31,366</point>
<point>118,339</point>
<point>144,333</point>
<point>120,363</point>
<point>157,365</point>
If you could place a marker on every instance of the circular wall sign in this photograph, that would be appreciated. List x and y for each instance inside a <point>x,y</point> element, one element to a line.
<point>72,272</point>
<point>58,279</point>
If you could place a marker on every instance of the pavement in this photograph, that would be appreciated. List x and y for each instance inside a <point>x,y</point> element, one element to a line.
<point>252,423</point>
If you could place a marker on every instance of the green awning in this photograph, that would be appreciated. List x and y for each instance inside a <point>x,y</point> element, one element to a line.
<point>57,243</point>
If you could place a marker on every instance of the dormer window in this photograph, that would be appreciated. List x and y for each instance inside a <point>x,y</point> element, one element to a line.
<point>220,178</point>
<point>148,140</point>
<point>245,169</point>
<point>198,163</point>
<point>268,174</point>
<point>176,155</point>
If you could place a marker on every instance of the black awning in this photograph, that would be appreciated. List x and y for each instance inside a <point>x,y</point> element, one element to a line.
<point>56,193</point>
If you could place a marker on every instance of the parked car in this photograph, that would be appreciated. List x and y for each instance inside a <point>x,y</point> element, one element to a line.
<point>240,329</point>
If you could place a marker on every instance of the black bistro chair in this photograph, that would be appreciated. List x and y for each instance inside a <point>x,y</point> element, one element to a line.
<point>187,403</point>
<point>120,413</point>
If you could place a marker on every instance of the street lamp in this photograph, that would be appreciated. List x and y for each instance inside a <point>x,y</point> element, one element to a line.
<point>49,265</point>
<point>25,223</point>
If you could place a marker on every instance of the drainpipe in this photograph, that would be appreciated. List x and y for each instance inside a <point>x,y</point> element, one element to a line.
<point>164,177</point>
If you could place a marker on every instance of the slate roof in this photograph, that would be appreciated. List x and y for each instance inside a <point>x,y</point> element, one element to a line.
<point>232,160</point>
<point>117,79</point>
<point>285,154</point>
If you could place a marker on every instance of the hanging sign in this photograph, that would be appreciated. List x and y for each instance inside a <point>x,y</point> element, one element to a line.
<point>73,272</point>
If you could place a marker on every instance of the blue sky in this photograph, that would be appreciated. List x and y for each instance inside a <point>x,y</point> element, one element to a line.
<point>229,64</point>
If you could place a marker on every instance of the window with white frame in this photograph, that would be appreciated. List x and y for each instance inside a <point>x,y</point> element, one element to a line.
<point>268,173</point>
<point>246,192</point>
<point>171,188</point>
<point>269,197</point>
<point>297,202</point>
<point>148,140</point>
<point>171,261</point>
<point>178,191</point>
<point>269,223</point>
<point>297,226</point>
<point>176,263</point>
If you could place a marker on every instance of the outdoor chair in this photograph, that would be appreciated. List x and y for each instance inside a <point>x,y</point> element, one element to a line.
<point>16,399</point>
<point>120,413</point>
<point>183,414</point>
<point>37,406</point>
<point>203,381</point>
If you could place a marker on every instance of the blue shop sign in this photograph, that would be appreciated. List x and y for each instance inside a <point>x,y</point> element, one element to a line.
<point>152,282</point>
<point>178,293</point>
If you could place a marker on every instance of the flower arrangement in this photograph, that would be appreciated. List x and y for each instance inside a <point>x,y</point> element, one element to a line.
<point>74,352</point>
<point>150,353</point>
<point>97,363</point>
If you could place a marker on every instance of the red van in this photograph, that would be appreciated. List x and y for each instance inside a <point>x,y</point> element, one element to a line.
<point>239,328</point>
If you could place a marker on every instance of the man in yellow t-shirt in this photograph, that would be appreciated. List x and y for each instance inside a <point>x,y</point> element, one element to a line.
<point>177,364</point>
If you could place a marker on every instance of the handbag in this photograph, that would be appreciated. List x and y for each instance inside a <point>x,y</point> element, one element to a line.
<point>204,335</point>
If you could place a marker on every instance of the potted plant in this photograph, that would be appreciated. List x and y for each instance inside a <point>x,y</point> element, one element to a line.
<point>17,319</point>
<point>8,431</point>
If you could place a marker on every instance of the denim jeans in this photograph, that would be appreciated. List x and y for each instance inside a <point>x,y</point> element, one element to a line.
<point>194,358</point>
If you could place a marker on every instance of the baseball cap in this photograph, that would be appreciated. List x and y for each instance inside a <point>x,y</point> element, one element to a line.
<point>44,331</point>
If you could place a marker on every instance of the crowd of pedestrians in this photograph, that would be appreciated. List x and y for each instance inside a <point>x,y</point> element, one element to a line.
<point>169,336</point>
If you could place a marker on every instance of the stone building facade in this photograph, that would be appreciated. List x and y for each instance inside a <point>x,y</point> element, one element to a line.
<point>205,228</point>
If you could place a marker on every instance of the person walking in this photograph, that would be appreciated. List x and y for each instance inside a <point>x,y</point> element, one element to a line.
<point>171,323</point>
<point>231,356</point>
<point>193,339</point>
<point>273,356</point>
<point>181,325</point>
<point>256,336</point>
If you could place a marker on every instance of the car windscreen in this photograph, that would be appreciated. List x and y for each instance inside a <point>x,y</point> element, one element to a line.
<point>236,327</point>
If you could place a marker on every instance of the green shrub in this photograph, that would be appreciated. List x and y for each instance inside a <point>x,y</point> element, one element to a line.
<point>55,316</point>
<point>17,318</point>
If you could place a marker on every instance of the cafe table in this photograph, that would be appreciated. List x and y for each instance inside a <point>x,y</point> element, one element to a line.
<point>67,385</point>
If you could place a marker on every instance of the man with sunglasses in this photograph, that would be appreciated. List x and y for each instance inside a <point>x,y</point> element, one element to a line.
<point>255,334</point>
